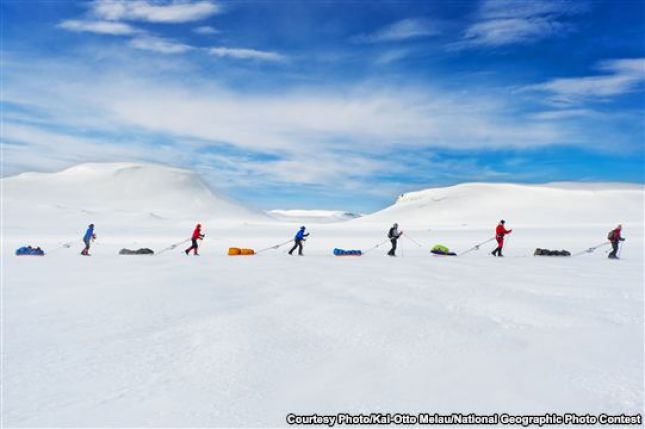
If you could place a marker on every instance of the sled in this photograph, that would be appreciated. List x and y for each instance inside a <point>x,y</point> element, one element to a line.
<point>30,251</point>
<point>441,250</point>
<point>144,251</point>
<point>440,253</point>
<point>343,252</point>
<point>236,251</point>
<point>547,252</point>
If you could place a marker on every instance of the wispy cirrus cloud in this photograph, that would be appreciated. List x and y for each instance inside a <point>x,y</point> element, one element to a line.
<point>159,44</point>
<point>499,32</point>
<point>410,28</point>
<point>246,54</point>
<point>205,30</point>
<point>509,22</point>
<point>112,11</point>
<point>177,11</point>
<point>565,114</point>
<point>99,27</point>
<point>391,56</point>
<point>620,76</point>
<point>494,9</point>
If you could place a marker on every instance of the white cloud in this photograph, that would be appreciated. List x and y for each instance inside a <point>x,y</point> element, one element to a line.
<point>565,114</point>
<point>627,66</point>
<point>508,31</point>
<point>391,56</point>
<point>158,44</point>
<point>205,29</point>
<point>154,11</point>
<point>495,9</point>
<point>507,22</point>
<point>299,121</point>
<point>328,168</point>
<point>100,27</point>
<point>246,54</point>
<point>405,29</point>
<point>621,76</point>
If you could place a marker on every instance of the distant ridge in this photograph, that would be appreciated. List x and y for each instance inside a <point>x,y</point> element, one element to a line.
<point>315,216</point>
<point>486,203</point>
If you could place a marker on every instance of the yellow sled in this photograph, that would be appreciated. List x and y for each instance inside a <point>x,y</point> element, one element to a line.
<point>236,251</point>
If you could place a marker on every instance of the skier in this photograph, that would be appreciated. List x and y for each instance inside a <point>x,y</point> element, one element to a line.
<point>394,234</point>
<point>87,238</point>
<point>197,235</point>
<point>298,239</point>
<point>615,238</point>
<point>500,232</point>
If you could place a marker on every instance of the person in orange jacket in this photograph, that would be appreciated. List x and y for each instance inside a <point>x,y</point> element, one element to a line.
<point>500,232</point>
<point>197,235</point>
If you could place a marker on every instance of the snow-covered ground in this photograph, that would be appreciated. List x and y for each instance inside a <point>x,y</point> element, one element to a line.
<point>171,340</point>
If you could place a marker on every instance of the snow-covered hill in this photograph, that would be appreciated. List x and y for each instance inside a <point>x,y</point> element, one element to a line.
<point>312,216</point>
<point>140,192</point>
<point>477,204</point>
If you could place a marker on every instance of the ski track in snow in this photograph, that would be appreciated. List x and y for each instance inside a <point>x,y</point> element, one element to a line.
<point>213,340</point>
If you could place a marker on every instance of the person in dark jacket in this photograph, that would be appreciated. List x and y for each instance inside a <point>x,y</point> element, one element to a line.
<point>87,239</point>
<point>394,234</point>
<point>197,235</point>
<point>298,239</point>
<point>500,232</point>
<point>615,238</point>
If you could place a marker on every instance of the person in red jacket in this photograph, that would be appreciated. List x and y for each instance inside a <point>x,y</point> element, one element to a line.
<point>197,235</point>
<point>615,238</point>
<point>500,232</point>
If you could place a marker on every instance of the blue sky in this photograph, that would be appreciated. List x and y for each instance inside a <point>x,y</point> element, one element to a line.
<point>328,104</point>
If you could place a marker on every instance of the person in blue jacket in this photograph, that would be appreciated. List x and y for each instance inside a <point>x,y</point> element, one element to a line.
<point>298,239</point>
<point>87,238</point>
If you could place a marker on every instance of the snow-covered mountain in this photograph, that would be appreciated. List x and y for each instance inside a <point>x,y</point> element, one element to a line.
<point>312,216</point>
<point>152,192</point>
<point>486,203</point>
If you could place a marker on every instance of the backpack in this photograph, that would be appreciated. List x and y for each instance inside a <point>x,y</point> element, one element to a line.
<point>610,236</point>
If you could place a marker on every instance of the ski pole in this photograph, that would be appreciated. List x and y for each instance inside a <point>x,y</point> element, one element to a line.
<point>591,249</point>
<point>477,246</point>
<point>411,239</point>
<point>277,246</point>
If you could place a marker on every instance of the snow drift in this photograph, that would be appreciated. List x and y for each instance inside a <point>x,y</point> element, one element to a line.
<point>481,204</point>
